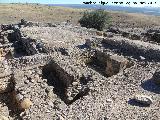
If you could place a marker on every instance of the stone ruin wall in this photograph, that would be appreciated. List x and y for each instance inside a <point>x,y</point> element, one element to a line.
<point>136,48</point>
<point>28,44</point>
<point>27,61</point>
<point>147,50</point>
<point>9,63</point>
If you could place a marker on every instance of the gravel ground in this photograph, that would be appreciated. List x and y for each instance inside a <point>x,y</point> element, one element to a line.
<point>109,98</point>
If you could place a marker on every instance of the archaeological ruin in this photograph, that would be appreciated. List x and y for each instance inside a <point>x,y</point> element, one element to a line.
<point>61,72</point>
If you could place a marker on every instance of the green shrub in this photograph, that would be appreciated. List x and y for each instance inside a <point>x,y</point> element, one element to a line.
<point>97,19</point>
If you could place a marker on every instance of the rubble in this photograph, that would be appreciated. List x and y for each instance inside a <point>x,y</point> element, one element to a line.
<point>50,71</point>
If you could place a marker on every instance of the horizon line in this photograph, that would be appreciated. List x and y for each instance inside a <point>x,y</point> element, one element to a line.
<point>78,4</point>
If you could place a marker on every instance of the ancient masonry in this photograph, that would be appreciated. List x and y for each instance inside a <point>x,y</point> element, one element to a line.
<point>51,60</point>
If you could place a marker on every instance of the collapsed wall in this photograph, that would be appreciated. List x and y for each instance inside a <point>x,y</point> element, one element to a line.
<point>23,45</point>
<point>28,45</point>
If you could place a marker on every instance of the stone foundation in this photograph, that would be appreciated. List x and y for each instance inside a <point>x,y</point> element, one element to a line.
<point>69,80</point>
<point>108,64</point>
<point>135,48</point>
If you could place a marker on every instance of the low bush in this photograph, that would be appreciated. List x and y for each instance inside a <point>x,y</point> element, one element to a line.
<point>97,19</point>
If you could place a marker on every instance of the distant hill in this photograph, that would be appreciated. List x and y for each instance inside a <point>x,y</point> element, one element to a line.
<point>144,10</point>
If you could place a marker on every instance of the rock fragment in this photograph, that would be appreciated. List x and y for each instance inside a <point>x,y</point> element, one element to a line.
<point>99,33</point>
<point>143,99</point>
<point>108,34</point>
<point>25,104</point>
<point>19,97</point>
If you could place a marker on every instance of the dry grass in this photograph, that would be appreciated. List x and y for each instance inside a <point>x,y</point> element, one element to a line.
<point>11,13</point>
<point>123,19</point>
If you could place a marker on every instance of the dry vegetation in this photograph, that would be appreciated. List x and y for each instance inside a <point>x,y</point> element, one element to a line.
<point>11,13</point>
<point>123,19</point>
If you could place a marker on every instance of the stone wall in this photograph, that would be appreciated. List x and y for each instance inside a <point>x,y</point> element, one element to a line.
<point>135,48</point>
<point>29,61</point>
<point>27,44</point>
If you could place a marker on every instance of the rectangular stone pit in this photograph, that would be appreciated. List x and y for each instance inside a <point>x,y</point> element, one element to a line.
<point>108,64</point>
<point>68,80</point>
<point>115,64</point>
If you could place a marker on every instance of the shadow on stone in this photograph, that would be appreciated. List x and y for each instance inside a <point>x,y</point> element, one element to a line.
<point>149,85</point>
<point>63,84</point>
<point>82,46</point>
<point>78,96</point>
<point>52,80</point>
<point>133,102</point>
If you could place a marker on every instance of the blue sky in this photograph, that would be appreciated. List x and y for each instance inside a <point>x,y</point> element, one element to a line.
<point>81,2</point>
<point>44,1</point>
